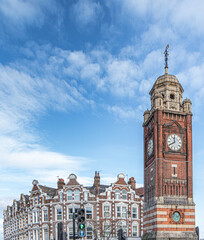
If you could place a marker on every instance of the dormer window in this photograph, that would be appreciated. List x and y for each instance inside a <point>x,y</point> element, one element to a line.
<point>172,96</point>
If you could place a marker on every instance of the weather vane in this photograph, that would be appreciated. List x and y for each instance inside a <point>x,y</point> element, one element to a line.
<point>166,54</point>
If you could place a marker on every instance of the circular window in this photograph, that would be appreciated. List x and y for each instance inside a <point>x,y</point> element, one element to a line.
<point>176,216</point>
<point>171,96</point>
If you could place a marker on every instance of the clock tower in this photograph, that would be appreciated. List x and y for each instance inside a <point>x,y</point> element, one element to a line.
<point>169,209</point>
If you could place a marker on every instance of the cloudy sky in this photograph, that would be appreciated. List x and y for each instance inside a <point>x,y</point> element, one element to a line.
<point>74,83</point>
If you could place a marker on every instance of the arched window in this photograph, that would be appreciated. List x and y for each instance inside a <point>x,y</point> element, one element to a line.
<point>36,234</point>
<point>76,195</point>
<point>45,232</point>
<point>117,194</point>
<point>107,229</point>
<point>69,195</point>
<point>70,230</point>
<point>124,194</point>
<point>122,225</point>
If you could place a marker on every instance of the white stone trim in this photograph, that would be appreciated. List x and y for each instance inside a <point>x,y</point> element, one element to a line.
<point>155,213</point>
<point>189,219</point>
<point>169,226</point>
<point>169,206</point>
<point>155,220</point>
<point>189,213</point>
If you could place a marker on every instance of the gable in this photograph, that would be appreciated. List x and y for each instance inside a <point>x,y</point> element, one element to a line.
<point>35,188</point>
<point>173,123</point>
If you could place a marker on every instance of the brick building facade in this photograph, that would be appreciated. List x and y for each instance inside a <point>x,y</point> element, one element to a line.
<point>169,209</point>
<point>107,207</point>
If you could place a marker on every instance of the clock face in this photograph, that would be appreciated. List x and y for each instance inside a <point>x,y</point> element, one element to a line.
<point>174,142</point>
<point>176,216</point>
<point>150,147</point>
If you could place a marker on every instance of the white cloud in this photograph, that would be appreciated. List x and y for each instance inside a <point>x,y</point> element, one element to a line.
<point>121,77</point>
<point>192,80</point>
<point>86,12</point>
<point>38,159</point>
<point>126,112</point>
<point>177,14</point>
<point>21,12</point>
<point>25,96</point>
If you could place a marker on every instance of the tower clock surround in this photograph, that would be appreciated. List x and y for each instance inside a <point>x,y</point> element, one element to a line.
<point>169,209</point>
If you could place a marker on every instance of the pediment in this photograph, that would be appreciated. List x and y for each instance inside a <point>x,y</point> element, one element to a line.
<point>173,123</point>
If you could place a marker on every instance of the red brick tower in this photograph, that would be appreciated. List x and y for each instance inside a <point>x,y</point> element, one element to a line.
<point>169,210</point>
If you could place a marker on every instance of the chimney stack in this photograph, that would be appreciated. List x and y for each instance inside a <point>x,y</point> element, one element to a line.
<point>132,183</point>
<point>96,179</point>
<point>60,183</point>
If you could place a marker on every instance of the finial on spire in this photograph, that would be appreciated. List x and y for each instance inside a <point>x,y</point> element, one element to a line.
<point>166,54</point>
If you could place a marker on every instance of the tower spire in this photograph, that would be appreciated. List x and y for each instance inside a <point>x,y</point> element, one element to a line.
<point>166,54</point>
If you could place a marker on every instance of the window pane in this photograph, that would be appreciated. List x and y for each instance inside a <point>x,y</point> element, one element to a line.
<point>46,234</point>
<point>124,194</point>
<point>107,229</point>
<point>45,215</point>
<point>89,232</point>
<point>69,195</point>
<point>89,212</point>
<point>85,196</point>
<point>134,231</point>
<point>134,212</point>
<point>70,212</point>
<point>107,211</point>
<point>76,195</point>
<point>59,214</point>
<point>118,212</point>
<point>117,194</point>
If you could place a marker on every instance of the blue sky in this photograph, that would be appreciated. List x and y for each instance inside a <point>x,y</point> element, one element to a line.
<point>74,83</point>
